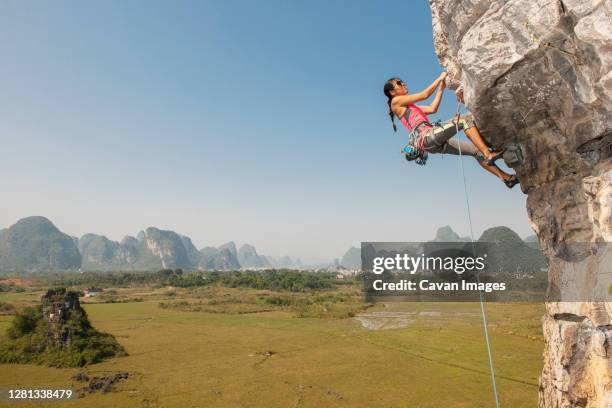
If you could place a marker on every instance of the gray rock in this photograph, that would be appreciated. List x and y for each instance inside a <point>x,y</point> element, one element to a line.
<point>538,74</point>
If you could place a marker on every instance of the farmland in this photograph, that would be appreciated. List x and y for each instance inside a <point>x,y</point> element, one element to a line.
<point>244,347</point>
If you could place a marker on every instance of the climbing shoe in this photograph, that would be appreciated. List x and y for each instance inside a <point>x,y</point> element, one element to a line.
<point>511,181</point>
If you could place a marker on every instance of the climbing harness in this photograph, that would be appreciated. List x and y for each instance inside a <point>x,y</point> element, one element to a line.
<point>414,151</point>
<point>482,310</point>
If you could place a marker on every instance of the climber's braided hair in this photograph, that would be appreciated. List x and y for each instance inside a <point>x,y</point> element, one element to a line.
<point>389,86</point>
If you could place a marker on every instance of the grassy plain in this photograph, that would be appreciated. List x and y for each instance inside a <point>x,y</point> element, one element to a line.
<point>221,347</point>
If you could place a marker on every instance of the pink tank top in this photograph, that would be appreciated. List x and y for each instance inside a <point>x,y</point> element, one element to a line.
<point>413,117</point>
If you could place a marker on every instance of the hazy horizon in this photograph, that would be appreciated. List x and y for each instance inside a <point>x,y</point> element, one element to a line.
<point>261,123</point>
<point>239,243</point>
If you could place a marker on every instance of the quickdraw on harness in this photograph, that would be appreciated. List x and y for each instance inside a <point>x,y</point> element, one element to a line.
<point>413,151</point>
<point>415,154</point>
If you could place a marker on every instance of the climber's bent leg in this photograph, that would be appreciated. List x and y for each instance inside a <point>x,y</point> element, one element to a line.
<point>437,137</point>
<point>493,169</point>
<point>472,132</point>
<point>474,135</point>
<point>468,149</point>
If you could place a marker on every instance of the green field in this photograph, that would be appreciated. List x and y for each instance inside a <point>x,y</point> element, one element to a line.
<point>190,357</point>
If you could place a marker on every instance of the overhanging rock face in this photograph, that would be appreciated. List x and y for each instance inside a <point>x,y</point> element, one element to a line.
<point>538,74</point>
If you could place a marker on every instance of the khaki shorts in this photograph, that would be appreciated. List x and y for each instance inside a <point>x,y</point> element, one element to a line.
<point>440,139</point>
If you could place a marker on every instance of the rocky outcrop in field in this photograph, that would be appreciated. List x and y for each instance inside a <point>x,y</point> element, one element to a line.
<point>56,333</point>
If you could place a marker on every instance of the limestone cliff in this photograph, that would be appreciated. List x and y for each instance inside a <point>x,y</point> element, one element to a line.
<point>538,74</point>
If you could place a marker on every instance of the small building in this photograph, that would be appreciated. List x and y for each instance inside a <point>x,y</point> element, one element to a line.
<point>91,292</point>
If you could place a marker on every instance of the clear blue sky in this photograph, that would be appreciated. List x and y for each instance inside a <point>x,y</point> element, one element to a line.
<point>258,122</point>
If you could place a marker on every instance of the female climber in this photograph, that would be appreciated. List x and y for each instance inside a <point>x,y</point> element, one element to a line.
<point>438,138</point>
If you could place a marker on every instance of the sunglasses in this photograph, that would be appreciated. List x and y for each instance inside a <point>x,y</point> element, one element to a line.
<point>400,83</point>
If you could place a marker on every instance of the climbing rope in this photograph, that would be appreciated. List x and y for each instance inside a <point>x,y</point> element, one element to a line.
<point>482,310</point>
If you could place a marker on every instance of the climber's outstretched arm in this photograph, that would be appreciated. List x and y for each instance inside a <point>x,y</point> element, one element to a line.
<point>433,108</point>
<point>405,100</point>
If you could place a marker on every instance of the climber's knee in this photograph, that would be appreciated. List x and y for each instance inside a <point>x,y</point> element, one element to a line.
<point>468,122</point>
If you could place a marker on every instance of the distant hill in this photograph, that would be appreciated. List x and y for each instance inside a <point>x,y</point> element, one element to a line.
<point>222,258</point>
<point>230,246</point>
<point>352,259</point>
<point>193,255</point>
<point>501,235</point>
<point>532,241</point>
<point>100,253</point>
<point>35,244</point>
<point>207,257</point>
<point>446,234</point>
<point>285,262</point>
<point>510,253</point>
<point>168,247</point>
<point>155,249</point>
<point>248,258</point>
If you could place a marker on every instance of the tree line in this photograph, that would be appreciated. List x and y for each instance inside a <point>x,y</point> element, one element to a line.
<point>273,279</point>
